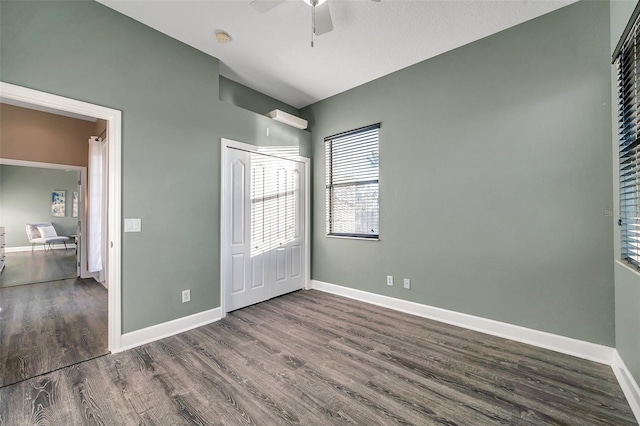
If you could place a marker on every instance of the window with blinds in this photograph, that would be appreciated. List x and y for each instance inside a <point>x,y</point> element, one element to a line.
<point>627,60</point>
<point>352,183</point>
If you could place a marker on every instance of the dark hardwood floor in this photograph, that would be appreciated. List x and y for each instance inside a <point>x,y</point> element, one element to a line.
<point>50,325</point>
<point>28,267</point>
<point>315,359</point>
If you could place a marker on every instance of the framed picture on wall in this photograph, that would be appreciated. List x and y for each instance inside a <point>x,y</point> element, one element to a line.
<point>58,201</point>
<point>74,208</point>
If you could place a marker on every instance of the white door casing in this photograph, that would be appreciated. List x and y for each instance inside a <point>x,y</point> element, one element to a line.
<point>80,219</point>
<point>30,97</point>
<point>264,230</point>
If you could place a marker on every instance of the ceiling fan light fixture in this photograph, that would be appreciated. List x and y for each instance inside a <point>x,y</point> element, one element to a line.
<point>314,3</point>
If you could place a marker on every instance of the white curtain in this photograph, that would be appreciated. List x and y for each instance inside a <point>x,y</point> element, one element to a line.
<point>95,235</point>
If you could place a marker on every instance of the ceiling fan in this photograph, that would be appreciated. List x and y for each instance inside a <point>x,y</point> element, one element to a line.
<point>320,14</point>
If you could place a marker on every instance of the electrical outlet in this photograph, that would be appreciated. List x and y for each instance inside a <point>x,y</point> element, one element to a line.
<point>186,296</point>
<point>390,280</point>
<point>407,283</point>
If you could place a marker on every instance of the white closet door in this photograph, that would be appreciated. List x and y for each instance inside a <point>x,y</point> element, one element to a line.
<point>266,227</point>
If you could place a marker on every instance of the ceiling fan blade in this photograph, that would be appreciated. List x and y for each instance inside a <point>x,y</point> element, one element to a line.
<point>263,6</point>
<point>323,19</point>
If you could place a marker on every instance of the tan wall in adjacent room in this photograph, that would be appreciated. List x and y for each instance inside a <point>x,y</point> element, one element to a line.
<point>43,137</point>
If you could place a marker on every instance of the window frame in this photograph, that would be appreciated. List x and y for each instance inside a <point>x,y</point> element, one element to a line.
<point>626,58</point>
<point>329,185</point>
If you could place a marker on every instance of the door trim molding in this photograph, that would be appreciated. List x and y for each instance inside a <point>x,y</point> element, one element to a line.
<point>224,195</point>
<point>307,223</point>
<point>114,172</point>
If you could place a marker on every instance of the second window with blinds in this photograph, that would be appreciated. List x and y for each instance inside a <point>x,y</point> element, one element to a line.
<point>627,60</point>
<point>352,183</point>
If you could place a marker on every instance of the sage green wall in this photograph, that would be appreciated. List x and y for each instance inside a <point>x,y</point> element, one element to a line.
<point>495,175</point>
<point>25,197</point>
<point>627,281</point>
<point>172,124</point>
<point>244,97</point>
<point>628,318</point>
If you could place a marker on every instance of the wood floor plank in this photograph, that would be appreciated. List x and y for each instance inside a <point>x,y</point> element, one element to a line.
<point>353,368</point>
<point>285,312</point>
<point>282,367</point>
<point>211,362</point>
<point>481,373</point>
<point>50,325</point>
<point>310,358</point>
<point>554,385</point>
<point>28,267</point>
<point>223,396</point>
<point>279,370</point>
<point>473,343</point>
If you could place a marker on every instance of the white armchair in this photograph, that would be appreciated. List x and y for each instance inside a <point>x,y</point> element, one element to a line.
<point>44,233</point>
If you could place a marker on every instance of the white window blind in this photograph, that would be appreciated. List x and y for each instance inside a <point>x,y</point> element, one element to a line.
<point>627,59</point>
<point>352,183</point>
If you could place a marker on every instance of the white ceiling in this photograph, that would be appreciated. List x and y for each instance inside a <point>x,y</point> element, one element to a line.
<point>271,52</point>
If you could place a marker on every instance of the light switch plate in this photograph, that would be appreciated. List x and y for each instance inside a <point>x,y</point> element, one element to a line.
<point>133,225</point>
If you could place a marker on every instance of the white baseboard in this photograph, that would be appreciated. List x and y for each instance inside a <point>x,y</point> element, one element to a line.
<point>566,345</point>
<point>39,247</point>
<point>169,328</point>
<point>627,383</point>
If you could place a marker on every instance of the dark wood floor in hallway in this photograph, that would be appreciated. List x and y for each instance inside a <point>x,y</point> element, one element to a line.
<point>50,325</point>
<point>312,358</point>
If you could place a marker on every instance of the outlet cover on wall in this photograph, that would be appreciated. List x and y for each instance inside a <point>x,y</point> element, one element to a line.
<point>407,283</point>
<point>390,280</point>
<point>186,296</point>
<point>132,225</point>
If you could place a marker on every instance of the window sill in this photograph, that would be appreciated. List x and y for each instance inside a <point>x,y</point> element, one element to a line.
<point>344,237</point>
<point>627,267</point>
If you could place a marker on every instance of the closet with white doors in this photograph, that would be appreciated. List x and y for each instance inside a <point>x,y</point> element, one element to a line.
<point>264,223</point>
